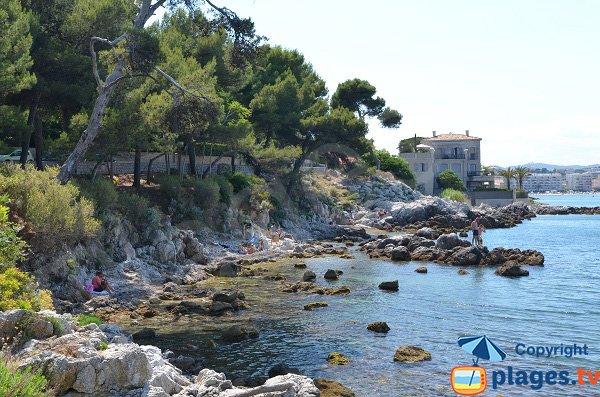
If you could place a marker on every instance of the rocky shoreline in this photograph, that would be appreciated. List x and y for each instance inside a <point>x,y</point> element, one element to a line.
<point>160,273</point>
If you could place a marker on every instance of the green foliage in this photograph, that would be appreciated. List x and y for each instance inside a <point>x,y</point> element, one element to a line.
<point>17,383</point>
<point>508,174</point>
<point>138,210</point>
<point>103,345</point>
<point>455,195</point>
<point>358,96</point>
<point>397,166</point>
<point>102,192</point>
<point>13,124</point>
<point>409,145</point>
<point>55,212</point>
<point>171,186</point>
<point>225,189</point>
<point>519,193</point>
<point>15,46</point>
<point>85,319</point>
<point>12,246</point>
<point>449,179</point>
<point>19,290</point>
<point>240,181</point>
<point>206,193</point>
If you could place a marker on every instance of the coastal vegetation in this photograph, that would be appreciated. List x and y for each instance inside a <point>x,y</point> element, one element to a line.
<point>454,195</point>
<point>17,383</point>
<point>450,180</point>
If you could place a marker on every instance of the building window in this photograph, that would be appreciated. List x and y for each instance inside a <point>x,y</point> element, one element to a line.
<point>442,167</point>
<point>457,168</point>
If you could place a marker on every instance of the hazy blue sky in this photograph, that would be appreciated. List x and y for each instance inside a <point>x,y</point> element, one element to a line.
<point>521,74</point>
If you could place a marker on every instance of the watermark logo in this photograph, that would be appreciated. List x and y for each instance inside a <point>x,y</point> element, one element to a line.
<point>472,380</point>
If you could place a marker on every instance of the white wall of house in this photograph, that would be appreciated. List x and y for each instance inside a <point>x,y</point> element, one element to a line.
<point>421,163</point>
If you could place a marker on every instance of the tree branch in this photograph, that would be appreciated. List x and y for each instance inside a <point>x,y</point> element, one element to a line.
<point>95,62</point>
<point>179,86</point>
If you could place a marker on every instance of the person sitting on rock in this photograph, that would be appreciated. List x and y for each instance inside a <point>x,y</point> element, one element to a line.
<point>100,284</point>
<point>251,248</point>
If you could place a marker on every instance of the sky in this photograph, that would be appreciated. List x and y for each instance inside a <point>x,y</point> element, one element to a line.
<point>523,75</point>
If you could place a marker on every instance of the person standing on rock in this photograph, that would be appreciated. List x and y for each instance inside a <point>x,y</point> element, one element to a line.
<point>475,230</point>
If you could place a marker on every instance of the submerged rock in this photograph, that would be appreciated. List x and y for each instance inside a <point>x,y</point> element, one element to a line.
<point>144,333</point>
<point>379,327</point>
<point>336,358</point>
<point>421,269</point>
<point>314,305</point>
<point>330,388</point>
<point>239,332</point>
<point>462,272</point>
<point>411,354</point>
<point>389,285</point>
<point>282,369</point>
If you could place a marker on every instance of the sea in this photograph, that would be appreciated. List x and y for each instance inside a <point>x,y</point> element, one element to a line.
<point>553,311</point>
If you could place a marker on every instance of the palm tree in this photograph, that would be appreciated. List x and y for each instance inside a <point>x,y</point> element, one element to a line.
<point>521,173</point>
<point>508,174</point>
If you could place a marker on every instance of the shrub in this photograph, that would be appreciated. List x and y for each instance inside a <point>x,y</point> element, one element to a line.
<point>103,345</point>
<point>17,383</point>
<point>449,179</point>
<point>11,246</point>
<point>240,181</point>
<point>171,186</point>
<point>138,211</point>
<point>102,192</point>
<point>55,211</point>
<point>225,190</point>
<point>19,290</point>
<point>85,319</point>
<point>455,195</point>
<point>397,166</point>
<point>521,193</point>
<point>206,193</point>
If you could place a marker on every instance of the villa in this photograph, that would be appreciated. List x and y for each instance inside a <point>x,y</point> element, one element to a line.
<point>460,153</point>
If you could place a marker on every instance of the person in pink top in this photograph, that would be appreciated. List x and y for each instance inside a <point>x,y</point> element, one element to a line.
<point>99,283</point>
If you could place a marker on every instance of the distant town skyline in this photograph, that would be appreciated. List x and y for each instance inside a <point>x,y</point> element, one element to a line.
<point>522,75</point>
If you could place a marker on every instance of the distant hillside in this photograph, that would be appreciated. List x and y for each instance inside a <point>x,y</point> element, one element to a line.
<point>535,166</point>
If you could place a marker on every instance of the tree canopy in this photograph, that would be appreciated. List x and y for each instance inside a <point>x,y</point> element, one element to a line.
<point>450,180</point>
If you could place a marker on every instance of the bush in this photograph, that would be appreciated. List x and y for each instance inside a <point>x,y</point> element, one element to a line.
<point>171,186</point>
<point>225,190</point>
<point>17,383</point>
<point>138,211</point>
<point>450,180</point>
<point>397,166</point>
<point>19,290</point>
<point>85,319</point>
<point>55,211</point>
<point>455,195</point>
<point>102,192</point>
<point>12,246</point>
<point>207,193</point>
<point>240,181</point>
<point>521,193</point>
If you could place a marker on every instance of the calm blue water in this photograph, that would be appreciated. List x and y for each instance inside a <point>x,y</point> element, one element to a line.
<point>573,200</point>
<point>558,303</point>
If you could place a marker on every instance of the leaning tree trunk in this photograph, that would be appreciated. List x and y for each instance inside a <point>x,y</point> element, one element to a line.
<point>38,139</point>
<point>137,168</point>
<point>26,136</point>
<point>150,162</point>
<point>77,155</point>
<point>191,152</point>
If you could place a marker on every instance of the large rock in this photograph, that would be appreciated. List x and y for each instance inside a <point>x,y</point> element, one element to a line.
<point>331,274</point>
<point>425,232</point>
<point>144,333</point>
<point>466,256</point>
<point>239,332</point>
<point>511,269</point>
<point>448,241</point>
<point>389,285</point>
<point>411,354</point>
<point>400,253</point>
<point>309,275</point>
<point>379,327</point>
<point>282,369</point>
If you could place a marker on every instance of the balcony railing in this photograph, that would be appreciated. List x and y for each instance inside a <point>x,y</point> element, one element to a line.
<point>474,173</point>
<point>458,156</point>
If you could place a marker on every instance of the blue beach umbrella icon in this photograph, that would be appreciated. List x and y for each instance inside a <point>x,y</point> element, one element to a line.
<point>481,347</point>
